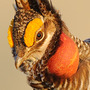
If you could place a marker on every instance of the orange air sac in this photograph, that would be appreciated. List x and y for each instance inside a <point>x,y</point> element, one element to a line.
<point>64,62</point>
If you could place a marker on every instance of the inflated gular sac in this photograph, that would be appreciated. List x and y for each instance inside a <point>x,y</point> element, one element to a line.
<point>65,61</point>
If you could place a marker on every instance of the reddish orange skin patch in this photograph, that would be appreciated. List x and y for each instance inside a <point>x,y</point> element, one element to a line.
<point>65,61</point>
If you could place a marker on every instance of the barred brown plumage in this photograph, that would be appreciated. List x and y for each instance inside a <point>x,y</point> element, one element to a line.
<point>33,60</point>
<point>84,47</point>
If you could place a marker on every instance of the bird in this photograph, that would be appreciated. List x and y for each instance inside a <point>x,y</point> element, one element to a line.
<point>44,49</point>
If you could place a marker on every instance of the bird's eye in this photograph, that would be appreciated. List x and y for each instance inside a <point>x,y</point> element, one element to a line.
<point>39,35</point>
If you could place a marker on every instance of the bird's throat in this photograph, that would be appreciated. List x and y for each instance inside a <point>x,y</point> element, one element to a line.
<point>65,61</point>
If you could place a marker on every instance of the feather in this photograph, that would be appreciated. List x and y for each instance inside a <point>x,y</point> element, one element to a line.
<point>22,4</point>
<point>45,6</point>
<point>87,40</point>
<point>34,5</point>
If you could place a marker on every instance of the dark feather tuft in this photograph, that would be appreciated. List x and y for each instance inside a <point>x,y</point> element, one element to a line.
<point>34,5</point>
<point>87,40</point>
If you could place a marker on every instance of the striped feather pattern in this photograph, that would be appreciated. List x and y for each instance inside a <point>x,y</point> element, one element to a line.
<point>79,81</point>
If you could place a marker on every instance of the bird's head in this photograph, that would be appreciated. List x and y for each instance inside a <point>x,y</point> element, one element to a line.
<point>38,43</point>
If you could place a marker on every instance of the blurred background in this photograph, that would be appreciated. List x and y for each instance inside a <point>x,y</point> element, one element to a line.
<point>76,15</point>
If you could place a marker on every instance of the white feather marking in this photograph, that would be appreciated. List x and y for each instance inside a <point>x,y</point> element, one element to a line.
<point>81,42</point>
<point>84,48</point>
<point>80,53</point>
<point>72,37</point>
<point>65,85</point>
<point>81,84</point>
<point>78,45</point>
<point>60,86</point>
<point>76,83</point>
<point>70,86</point>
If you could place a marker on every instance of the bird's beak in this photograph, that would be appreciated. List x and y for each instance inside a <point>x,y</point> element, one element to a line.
<point>18,62</point>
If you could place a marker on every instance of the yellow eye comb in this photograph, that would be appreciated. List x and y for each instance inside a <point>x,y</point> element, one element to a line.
<point>31,29</point>
<point>10,39</point>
